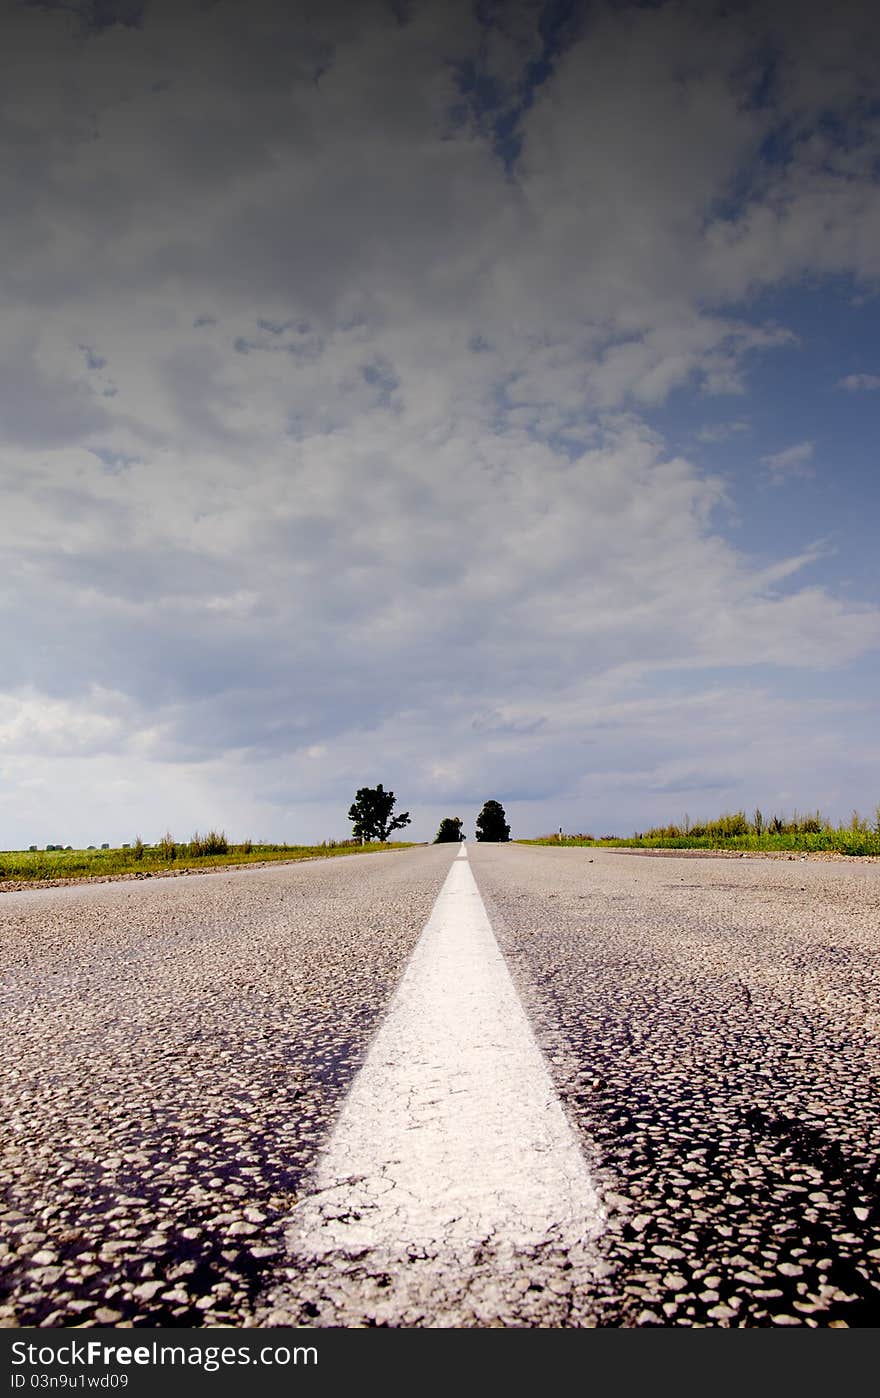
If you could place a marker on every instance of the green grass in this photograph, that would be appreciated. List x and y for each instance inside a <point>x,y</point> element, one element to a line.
<point>808,834</point>
<point>202,852</point>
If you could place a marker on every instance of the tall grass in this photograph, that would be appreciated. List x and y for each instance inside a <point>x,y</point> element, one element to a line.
<point>736,830</point>
<point>168,854</point>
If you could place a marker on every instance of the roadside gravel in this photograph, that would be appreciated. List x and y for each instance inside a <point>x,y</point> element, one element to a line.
<point>174,1053</point>
<point>713,1028</point>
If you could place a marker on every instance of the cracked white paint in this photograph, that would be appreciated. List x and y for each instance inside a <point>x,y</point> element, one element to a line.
<point>452,1144</point>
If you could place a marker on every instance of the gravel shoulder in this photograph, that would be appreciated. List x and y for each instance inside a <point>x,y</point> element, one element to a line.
<point>713,1027</point>
<point>175,1051</point>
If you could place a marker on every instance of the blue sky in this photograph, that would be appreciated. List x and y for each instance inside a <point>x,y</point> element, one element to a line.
<point>480,399</point>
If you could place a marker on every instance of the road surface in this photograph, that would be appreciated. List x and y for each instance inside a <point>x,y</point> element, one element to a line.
<point>177,1054</point>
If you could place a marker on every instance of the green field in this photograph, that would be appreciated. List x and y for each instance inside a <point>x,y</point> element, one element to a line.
<point>199,853</point>
<point>808,834</point>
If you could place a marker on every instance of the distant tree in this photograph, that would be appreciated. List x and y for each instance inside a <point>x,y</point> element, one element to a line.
<point>449,832</point>
<point>370,814</point>
<point>491,824</point>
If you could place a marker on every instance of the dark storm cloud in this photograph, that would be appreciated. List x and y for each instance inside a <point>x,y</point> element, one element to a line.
<point>39,408</point>
<point>95,15</point>
<point>193,379</point>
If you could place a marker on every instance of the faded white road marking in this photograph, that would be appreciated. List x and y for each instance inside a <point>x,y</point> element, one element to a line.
<point>452,1149</point>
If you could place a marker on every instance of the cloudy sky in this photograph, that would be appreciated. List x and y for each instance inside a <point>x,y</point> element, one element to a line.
<point>480,398</point>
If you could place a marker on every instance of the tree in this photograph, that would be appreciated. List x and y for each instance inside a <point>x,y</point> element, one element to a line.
<point>491,824</point>
<point>370,814</point>
<point>449,832</point>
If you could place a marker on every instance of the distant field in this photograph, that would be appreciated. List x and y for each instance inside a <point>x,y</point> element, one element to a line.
<point>809,834</point>
<point>29,865</point>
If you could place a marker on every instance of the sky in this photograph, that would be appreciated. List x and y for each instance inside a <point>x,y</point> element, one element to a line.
<point>476,398</point>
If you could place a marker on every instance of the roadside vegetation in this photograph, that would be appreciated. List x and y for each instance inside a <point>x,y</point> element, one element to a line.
<point>449,832</point>
<point>371,814</point>
<point>808,833</point>
<point>492,823</point>
<point>212,850</point>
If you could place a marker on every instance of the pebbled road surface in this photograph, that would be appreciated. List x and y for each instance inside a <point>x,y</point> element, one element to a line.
<point>714,1028</point>
<point>173,1053</point>
<point>176,1051</point>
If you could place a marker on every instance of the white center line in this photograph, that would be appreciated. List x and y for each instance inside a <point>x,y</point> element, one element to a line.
<point>452,1143</point>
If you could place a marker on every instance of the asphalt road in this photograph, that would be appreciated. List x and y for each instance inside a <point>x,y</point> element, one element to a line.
<point>713,1026</point>
<point>173,1052</point>
<point>176,1051</point>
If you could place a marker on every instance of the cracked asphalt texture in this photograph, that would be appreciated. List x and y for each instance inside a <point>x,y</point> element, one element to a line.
<point>713,1027</point>
<point>175,1052</point>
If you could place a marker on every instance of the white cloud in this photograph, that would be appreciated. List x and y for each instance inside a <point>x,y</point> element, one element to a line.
<point>854,382</point>
<point>722,431</point>
<point>792,462</point>
<point>356,454</point>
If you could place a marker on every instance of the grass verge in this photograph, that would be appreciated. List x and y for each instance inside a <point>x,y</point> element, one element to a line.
<point>38,865</point>
<point>859,845</point>
<point>810,834</point>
